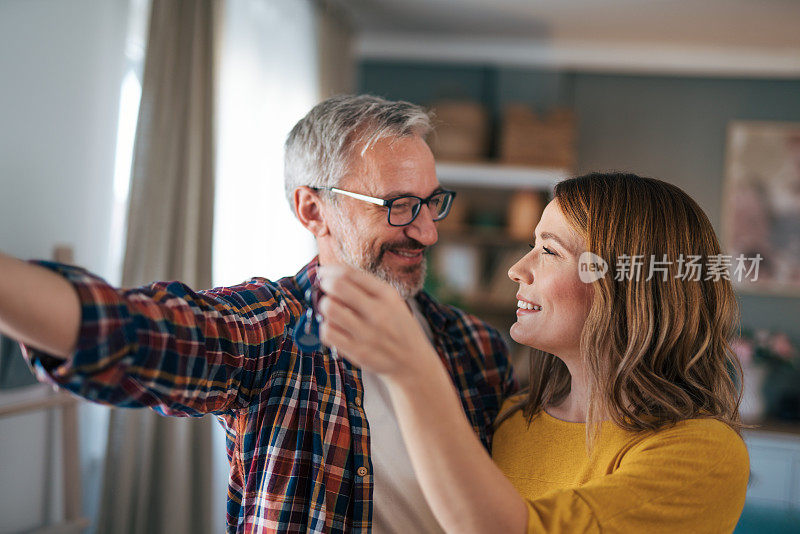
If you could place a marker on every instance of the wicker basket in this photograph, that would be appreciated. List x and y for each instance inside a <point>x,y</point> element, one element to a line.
<point>528,139</point>
<point>462,131</point>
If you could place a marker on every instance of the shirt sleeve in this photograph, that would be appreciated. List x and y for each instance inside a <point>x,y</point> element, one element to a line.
<point>167,347</point>
<point>510,383</point>
<point>689,478</point>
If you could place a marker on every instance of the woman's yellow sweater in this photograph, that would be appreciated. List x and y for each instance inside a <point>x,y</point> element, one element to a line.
<point>690,477</point>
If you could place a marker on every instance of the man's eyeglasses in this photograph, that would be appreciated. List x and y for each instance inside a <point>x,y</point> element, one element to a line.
<point>404,209</point>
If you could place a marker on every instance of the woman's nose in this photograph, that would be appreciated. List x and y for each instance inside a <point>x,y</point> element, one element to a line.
<point>519,273</point>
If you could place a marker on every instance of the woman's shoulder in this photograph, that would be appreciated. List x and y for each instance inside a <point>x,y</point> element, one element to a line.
<point>700,435</point>
<point>701,427</point>
<point>512,401</point>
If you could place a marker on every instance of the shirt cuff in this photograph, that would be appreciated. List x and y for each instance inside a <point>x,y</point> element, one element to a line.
<point>103,313</point>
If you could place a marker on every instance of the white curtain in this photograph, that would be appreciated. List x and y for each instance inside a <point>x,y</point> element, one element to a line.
<point>336,65</point>
<point>277,58</point>
<point>158,471</point>
<point>268,81</point>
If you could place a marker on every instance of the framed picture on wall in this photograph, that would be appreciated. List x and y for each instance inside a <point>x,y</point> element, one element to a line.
<point>761,206</point>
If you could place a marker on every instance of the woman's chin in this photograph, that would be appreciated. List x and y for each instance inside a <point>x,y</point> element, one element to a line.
<point>515,334</point>
<point>518,334</point>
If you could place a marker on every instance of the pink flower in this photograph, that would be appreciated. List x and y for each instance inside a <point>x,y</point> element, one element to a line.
<point>781,345</point>
<point>762,336</point>
<point>743,350</point>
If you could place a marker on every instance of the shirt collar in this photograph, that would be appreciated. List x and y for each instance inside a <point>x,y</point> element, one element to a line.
<point>439,316</point>
<point>307,276</point>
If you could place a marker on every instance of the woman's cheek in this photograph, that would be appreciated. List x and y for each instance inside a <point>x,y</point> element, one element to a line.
<point>572,297</point>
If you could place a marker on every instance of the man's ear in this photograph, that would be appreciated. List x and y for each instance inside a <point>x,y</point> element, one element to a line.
<point>308,207</point>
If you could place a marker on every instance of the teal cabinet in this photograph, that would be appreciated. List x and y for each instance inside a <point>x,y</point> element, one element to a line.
<point>773,494</point>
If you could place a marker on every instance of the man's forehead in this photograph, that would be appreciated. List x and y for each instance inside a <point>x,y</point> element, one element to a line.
<point>385,187</point>
<point>388,174</point>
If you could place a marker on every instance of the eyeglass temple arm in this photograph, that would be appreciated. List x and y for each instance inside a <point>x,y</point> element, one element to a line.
<point>373,200</point>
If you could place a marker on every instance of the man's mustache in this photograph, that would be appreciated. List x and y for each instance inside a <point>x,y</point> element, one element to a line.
<point>409,244</point>
<point>405,244</point>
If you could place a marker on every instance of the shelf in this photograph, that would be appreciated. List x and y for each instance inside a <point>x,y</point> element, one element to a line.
<point>483,237</point>
<point>773,426</point>
<point>499,176</point>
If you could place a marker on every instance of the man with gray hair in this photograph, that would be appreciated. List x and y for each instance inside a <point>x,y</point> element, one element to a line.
<point>313,442</point>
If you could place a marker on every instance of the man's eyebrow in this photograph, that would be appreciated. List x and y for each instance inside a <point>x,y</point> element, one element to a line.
<point>554,237</point>
<point>398,193</point>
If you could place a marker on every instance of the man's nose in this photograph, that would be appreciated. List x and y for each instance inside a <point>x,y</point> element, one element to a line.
<point>423,228</point>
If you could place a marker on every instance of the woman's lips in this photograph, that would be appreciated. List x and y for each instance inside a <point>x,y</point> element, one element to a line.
<point>526,307</point>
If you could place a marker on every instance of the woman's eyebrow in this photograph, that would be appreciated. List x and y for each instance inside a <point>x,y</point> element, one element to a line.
<point>554,237</point>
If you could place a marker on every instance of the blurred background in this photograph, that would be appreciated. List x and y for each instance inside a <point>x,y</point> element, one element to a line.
<point>143,140</point>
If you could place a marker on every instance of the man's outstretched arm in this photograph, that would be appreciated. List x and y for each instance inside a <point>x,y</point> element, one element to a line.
<point>38,307</point>
<point>161,345</point>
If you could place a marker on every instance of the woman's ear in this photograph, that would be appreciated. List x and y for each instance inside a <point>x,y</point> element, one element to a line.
<point>309,210</point>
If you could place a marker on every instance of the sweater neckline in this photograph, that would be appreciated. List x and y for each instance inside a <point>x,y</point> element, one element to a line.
<point>561,421</point>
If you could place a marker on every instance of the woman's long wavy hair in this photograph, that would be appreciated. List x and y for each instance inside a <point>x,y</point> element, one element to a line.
<point>656,351</point>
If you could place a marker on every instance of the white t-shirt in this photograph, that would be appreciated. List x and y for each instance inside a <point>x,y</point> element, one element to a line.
<point>398,505</point>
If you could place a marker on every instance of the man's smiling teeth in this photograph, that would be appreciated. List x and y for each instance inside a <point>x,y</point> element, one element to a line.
<point>407,254</point>
<point>528,306</point>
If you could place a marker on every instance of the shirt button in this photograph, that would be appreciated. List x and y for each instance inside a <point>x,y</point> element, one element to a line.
<point>357,401</point>
<point>362,471</point>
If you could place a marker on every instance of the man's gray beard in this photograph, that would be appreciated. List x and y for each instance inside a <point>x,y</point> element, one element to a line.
<point>357,257</point>
<point>359,260</point>
<point>406,289</point>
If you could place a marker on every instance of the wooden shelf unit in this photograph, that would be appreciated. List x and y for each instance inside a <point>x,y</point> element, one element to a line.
<point>481,244</point>
<point>498,176</point>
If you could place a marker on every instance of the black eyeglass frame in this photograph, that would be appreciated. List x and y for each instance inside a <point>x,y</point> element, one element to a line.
<point>451,195</point>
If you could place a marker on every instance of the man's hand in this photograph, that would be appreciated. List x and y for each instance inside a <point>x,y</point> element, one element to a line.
<point>38,307</point>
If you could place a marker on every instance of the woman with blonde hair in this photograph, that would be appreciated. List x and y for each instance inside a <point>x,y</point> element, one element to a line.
<point>631,420</point>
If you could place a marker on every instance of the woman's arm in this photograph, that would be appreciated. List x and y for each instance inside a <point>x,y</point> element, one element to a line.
<point>372,326</point>
<point>465,489</point>
<point>690,477</point>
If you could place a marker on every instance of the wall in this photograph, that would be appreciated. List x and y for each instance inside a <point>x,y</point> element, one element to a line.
<point>61,66</point>
<point>668,127</point>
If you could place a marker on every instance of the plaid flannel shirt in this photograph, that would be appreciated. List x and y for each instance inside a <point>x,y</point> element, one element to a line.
<point>297,437</point>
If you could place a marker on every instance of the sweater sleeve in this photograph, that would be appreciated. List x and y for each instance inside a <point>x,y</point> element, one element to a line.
<point>688,478</point>
<point>167,347</point>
